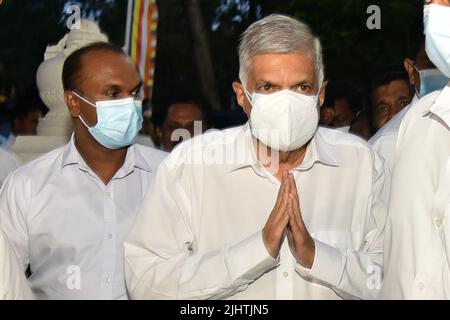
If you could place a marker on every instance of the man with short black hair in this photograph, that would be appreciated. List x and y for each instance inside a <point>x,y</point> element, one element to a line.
<point>67,213</point>
<point>179,120</point>
<point>390,92</point>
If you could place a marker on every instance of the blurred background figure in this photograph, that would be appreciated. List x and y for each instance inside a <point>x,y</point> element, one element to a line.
<point>8,163</point>
<point>24,118</point>
<point>343,101</point>
<point>178,120</point>
<point>390,92</point>
<point>361,125</point>
<point>423,76</point>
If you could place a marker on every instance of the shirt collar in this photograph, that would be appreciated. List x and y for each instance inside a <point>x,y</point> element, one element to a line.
<point>133,159</point>
<point>317,151</point>
<point>440,105</point>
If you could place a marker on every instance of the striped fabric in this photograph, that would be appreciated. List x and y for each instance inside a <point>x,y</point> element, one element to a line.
<point>141,37</point>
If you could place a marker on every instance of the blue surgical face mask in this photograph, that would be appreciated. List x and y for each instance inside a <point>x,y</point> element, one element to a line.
<point>436,20</point>
<point>118,121</point>
<point>431,80</point>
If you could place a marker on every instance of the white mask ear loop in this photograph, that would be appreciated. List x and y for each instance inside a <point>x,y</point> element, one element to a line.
<point>84,99</point>
<point>79,116</point>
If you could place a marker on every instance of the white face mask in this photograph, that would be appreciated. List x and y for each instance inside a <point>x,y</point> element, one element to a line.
<point>437,36</point>
<point>285,120</point>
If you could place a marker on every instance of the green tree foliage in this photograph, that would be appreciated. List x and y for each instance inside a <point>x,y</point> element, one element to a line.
<point>352,51</point>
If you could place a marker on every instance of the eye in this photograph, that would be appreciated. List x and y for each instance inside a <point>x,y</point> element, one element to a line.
<point>404,103</point>
<point>383,109</point>
<point>112,93</point>
<point>266,88</point>
<point>302,88</point>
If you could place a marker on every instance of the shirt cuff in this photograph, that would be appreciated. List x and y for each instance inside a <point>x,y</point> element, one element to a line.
<point>328,264</point>
<point>252,259</point>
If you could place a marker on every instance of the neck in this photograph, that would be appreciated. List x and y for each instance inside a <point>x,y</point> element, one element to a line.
<point>103,161</point>
<point>277,162</point>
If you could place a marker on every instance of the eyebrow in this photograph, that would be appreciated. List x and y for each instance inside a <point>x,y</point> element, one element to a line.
<point>402,98</point>
<point>267,82</point>
<point>119,88</point>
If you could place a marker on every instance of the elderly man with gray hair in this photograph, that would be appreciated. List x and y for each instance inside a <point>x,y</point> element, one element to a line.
<point>275,209</point>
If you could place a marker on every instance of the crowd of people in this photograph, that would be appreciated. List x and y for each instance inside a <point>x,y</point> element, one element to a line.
<point>322,194</point>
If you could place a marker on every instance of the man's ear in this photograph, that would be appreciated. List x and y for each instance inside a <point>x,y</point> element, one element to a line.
<point>326,116</point>
<point>323,90</point>
<point>241,97</point>
<point>73,103</point>
<point>409,67</point>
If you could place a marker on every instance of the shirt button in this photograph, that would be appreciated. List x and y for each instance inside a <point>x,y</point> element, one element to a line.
<point>438,223</point>
<point>108,193</point>
<point>108,280</point>
<point>285,274</point>
<point>421,285</point>
<point>110,236</point>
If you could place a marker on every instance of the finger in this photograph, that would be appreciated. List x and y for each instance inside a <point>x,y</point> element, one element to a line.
<point>293,186</point>
<point>295,221</point>
<point>286,192</point>
<point>281,191</point>
<point>297,224</point>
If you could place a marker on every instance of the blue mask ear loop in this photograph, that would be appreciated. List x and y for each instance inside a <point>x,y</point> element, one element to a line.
<point>88,102</point>
<point>420,74</point>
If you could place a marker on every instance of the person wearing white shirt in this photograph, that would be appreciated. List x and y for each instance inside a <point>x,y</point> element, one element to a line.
<point>13,284</point>
<point>276,209</point>
<point>67,213</point>
<point>425,78</point>
<point>8,163</point>
<point>417,247</point>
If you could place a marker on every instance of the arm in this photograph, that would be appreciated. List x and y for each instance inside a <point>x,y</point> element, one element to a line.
<point>161,257</point>
<point>14,200</point>
<point>13,284</point>
<point>350,273</point>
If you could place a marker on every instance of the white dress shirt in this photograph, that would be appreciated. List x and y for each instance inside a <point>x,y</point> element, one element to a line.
<point>198,234</point>
<point>13,284</point>
<point>8,163</point>
<point>64,222</point>
<point>384,141</point>
<point>417,248</point>
<point>7,142</point>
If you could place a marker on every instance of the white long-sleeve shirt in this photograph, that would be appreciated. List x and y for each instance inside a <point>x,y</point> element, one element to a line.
<point>69,227</point>
<point>384,141</point>
<point>8,163</point>
<point>13,284</point>
<point>198,233</point>
<point>417,248</point>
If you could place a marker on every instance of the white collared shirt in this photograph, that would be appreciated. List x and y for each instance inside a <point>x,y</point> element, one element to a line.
<point>13,284</point>
<point>384,141</point>
<point>417,247</point>
<point>198,233</point>
<point>7,142</point>
<point>8,163</point>
<point>64,222</point>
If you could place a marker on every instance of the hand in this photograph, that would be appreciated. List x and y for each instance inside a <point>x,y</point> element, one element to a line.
<point>300,241</point>
<point>273,232</point>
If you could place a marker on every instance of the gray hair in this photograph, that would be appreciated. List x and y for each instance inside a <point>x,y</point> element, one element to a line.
<point>278,33</point>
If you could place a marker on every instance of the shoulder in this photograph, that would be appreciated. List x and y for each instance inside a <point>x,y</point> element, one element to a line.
<point>349,149</point>
<point>150,155</point>
<point>211,143</point>
<point>340,139</point>
<point>421,107</point>
<point>8,159</point>
<point>39,168</point>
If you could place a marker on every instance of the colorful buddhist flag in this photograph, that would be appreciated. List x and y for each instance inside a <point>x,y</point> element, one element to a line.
<point>140,42</point>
